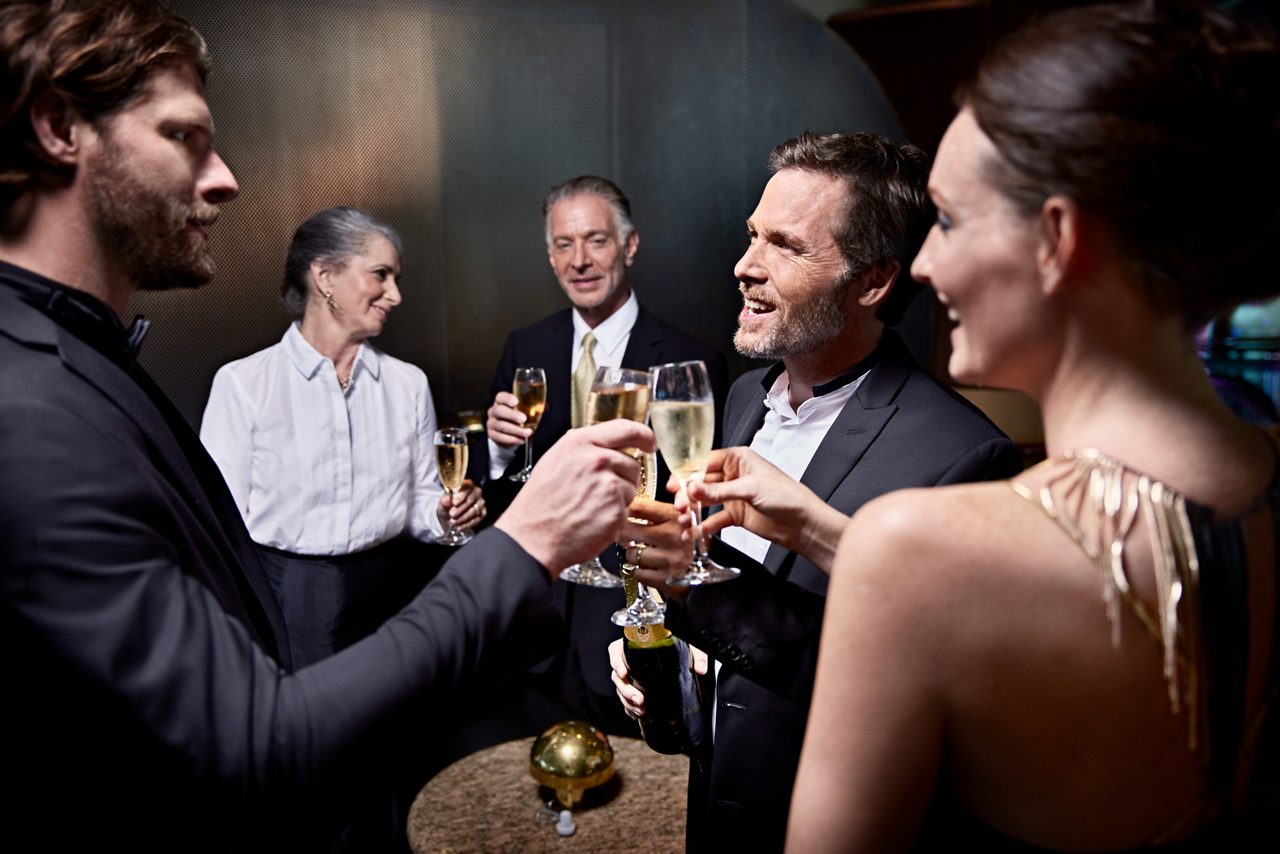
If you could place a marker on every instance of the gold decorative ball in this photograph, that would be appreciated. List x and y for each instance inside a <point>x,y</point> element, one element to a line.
<point>571,757</point>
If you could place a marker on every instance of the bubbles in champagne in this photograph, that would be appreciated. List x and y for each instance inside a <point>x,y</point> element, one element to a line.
<point>684,430</point>
<point>531,399</point>
<point>648,485</point>
<point>452,461</point>
<point>630,401</point>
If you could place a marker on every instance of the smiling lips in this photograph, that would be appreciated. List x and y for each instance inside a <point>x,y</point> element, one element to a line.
<point>754,307</point>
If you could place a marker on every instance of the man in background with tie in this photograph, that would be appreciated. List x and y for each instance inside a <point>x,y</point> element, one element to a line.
<point>591,245</point>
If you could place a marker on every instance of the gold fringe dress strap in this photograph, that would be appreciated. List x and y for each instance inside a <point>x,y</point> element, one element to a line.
<point>1096,500</point>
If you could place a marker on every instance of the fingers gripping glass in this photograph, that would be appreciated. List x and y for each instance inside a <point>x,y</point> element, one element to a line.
<point>683,414</point>
<point>615,393</point>
<point>644,610</point>
<point>451,459</point>
<point>530,389</point>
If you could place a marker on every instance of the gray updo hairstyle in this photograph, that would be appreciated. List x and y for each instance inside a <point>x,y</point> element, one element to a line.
<point>332,237</point>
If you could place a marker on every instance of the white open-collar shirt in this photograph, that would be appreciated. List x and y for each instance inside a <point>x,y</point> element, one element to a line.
<point>317,471</point>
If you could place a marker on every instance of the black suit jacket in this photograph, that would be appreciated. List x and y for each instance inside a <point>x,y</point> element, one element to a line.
<point>548,344</point>
<point>146,704</point>
<point>901,428</point>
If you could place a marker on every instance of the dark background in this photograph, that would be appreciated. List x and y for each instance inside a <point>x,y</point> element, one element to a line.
<point>451,118</point>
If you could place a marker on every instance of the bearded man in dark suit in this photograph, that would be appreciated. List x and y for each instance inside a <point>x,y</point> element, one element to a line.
<point>149,696</point>
<point>846,411</point>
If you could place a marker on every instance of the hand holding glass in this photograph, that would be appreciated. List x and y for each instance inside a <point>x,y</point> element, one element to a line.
<point>451,459</point>
<point>530,389</point>
<point>615,393</point>
<point>645,610</point>
<point>684,413</point>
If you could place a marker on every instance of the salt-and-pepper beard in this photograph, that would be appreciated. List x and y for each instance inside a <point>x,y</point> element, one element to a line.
<point>808,326</point>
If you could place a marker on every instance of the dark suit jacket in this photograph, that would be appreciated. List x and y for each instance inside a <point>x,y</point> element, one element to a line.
<point>902,428</point>
<point>145,702</point>
<point>548,343</point>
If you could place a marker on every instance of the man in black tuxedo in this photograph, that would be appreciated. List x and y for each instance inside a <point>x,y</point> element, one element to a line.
<point>846,411</point>
<point>149,699</point>
<point>591,245</point>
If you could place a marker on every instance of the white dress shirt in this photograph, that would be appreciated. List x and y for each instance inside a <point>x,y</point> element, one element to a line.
<point>789,438</point>
<point>612,336</point>
<point>317,471</point>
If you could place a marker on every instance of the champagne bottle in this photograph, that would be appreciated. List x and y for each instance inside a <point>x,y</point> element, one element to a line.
<point>660,667</point>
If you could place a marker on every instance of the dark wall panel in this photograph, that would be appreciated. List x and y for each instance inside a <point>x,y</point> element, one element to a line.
<point>451,119</point>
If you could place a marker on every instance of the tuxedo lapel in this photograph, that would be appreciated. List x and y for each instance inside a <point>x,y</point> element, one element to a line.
<point>741,427</point>
<point>857,426</point>
<point>848,438</point>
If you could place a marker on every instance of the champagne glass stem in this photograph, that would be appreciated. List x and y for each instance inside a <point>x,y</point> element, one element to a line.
<point>699,547</point>
<point>449,521</point>
<point>528,456</point>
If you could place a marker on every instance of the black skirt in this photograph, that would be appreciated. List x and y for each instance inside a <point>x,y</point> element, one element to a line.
<point>331,601</point>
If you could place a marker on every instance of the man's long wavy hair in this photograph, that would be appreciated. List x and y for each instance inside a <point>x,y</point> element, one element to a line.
<point>96,54</point>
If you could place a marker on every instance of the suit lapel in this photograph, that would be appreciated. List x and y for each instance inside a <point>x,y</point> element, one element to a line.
<point>848,438</point>
<point>745,423</point>
<point>553,352</point>
<point>854,430</point>
<point>180,465</point>
<point>644,345</point>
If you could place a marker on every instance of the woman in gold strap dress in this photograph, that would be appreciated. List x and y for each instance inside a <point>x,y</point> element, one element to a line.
<point>1085,658</point>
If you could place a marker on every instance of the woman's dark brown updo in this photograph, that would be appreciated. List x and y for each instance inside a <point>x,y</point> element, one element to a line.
<point>1164,119</point>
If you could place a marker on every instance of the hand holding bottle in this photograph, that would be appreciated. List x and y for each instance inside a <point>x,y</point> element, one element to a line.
<point>629,695</point>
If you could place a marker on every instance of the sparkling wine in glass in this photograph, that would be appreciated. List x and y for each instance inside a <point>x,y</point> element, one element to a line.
<point>530,389</point>
<point>615,393</point>
<point>451,459</point>
<point>684,414</point>
<point>643,609</point>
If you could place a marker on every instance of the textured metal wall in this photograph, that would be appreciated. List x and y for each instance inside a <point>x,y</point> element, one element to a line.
<point>451,119</point>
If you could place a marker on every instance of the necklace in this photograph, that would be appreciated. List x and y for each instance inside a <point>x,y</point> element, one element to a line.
<point>344,383</point>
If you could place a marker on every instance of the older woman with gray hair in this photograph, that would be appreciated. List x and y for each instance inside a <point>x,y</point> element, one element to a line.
<point>327,443</point>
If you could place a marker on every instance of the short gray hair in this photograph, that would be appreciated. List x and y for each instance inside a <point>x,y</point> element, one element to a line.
<point>331,236</point>
<point>596,186</point>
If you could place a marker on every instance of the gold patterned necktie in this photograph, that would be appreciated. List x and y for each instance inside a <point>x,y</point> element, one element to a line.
<point>583,375</point>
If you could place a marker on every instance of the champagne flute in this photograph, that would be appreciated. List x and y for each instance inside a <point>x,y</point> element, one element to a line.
<point>530,389</point>
<point>644,610</point>
<point>615,393</point>
<point>451,459</point>
<point>684,416</point>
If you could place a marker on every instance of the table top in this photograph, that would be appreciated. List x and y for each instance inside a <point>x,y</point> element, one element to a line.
<point>488,801</point>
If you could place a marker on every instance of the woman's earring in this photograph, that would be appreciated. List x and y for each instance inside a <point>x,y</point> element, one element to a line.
<point>328,297</point>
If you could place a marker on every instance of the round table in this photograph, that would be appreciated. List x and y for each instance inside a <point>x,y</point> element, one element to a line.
<point>489,802</point>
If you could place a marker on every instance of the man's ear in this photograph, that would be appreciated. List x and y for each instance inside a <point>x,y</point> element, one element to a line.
<point>629,249</point>
<point>879,281</point>
<point>57,129</point>
<point>1059,249</point>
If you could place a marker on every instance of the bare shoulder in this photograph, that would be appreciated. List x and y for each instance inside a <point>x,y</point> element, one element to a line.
<point>952,520</point>
<point>966,551</point>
